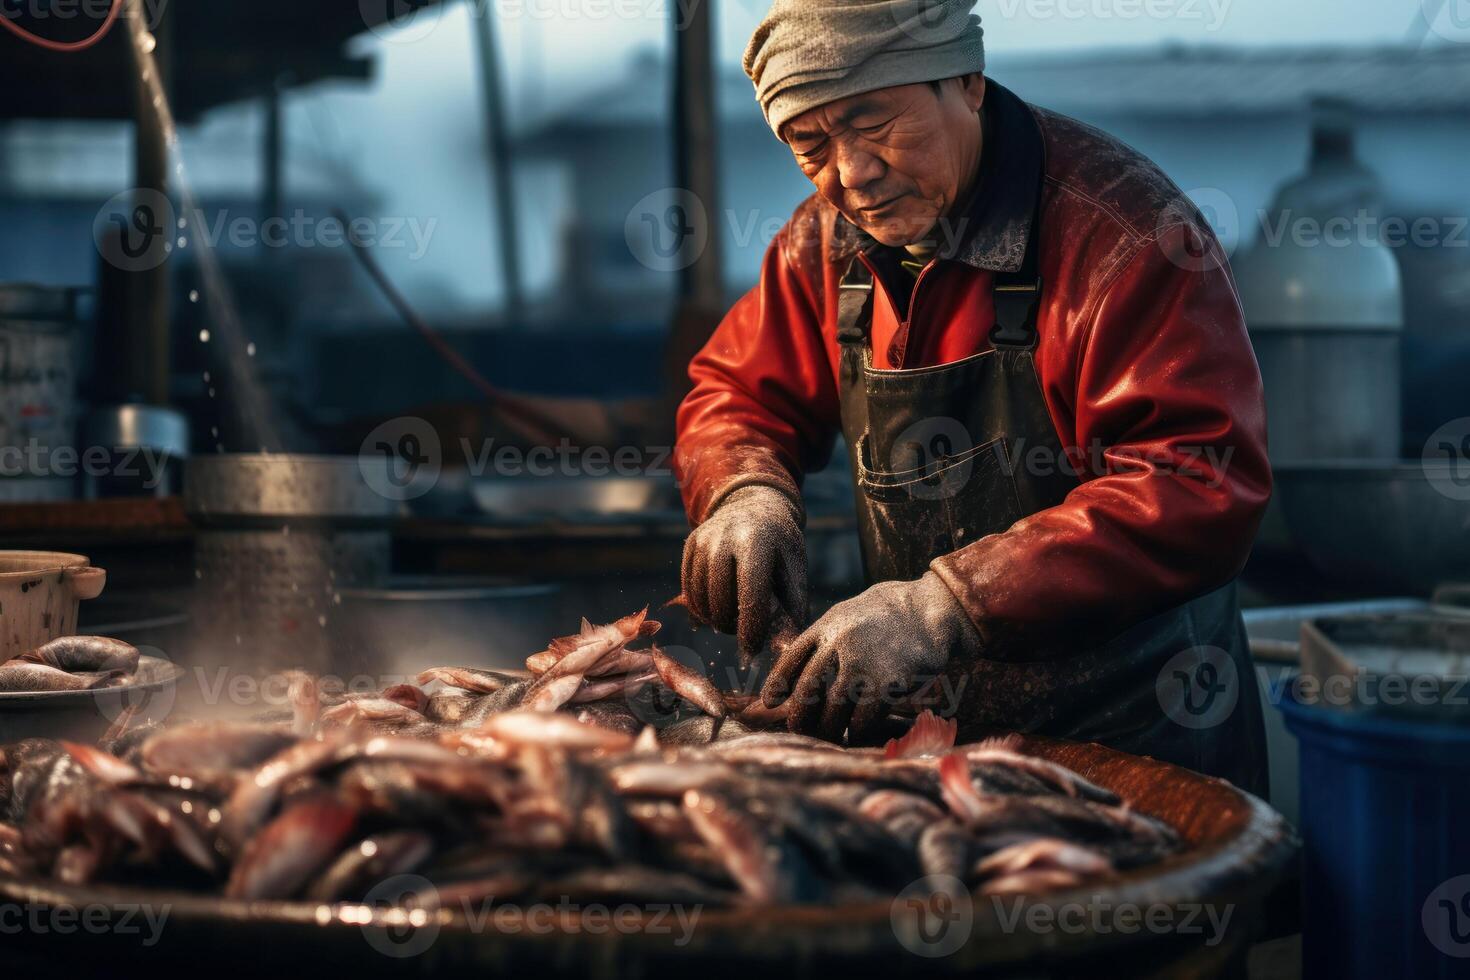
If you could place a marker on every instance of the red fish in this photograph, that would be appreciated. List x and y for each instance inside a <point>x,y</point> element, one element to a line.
<point>930,736</point>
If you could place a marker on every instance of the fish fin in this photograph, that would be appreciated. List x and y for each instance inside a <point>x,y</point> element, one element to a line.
<point>647,740</point>
<point>630,625</point>
<point>1010,742</point>
<point>955,786</point>
<point>104,765</point>
<point>929,736</point>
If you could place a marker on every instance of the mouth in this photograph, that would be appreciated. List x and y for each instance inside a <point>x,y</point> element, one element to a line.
<point>880,207</point>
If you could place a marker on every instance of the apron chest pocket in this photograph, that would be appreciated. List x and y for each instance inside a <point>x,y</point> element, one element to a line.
<point>945,502</point>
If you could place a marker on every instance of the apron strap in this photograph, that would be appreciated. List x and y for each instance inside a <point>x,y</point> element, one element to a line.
<point>854,304</point>
<point>1016,295</point>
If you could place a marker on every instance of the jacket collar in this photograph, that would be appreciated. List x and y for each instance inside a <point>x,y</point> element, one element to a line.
<point>992,230</point>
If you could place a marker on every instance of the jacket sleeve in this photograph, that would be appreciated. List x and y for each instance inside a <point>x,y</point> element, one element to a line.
<point>763,409</point>
<point>1170,432</point>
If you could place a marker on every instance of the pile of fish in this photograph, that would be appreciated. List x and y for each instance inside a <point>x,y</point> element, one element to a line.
<point>524,786</point>
<point>70,663</point>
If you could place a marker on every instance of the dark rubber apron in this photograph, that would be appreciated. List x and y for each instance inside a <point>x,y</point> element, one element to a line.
<point>939,456</point>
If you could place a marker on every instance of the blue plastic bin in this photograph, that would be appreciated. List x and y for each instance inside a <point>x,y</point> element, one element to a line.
<point>1385,826</point>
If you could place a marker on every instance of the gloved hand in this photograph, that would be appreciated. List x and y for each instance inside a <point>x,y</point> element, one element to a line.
<point>746,561</point>
<point>878,645</point>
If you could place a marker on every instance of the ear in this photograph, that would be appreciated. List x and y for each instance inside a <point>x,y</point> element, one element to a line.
<point>972,88</point>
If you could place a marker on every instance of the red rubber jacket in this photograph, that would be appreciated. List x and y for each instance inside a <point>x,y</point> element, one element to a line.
<point>1142,357</point>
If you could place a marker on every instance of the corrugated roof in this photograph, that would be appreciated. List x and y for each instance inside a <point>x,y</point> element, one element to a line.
<point>1169,80</point>
<point>1184,81</point>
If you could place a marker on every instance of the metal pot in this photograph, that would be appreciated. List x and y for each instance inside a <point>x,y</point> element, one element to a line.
<point>279,536</point>
<point>419,622</point>
<point>1389,525</point>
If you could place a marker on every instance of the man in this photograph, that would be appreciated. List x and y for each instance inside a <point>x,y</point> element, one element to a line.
<point>1033,347</point>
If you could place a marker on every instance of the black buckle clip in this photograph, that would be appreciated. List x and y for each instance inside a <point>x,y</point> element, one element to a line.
<point>1015,315</point>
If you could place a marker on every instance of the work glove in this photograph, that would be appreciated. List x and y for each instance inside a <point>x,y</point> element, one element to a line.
<point>745,567</point>
<point>851,666</point>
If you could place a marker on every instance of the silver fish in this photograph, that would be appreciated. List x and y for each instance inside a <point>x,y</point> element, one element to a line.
<point>25,676</point>
<point>85,654</point>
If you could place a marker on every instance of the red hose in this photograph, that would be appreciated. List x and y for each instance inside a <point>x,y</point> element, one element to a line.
<point>65,46</point>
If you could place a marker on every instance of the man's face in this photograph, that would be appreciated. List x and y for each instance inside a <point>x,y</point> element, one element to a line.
<point>893,161</point>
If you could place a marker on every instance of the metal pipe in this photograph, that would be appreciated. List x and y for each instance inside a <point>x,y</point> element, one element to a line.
<point>272,202</point>
<point>701,284</point>
<point>497,143</point>
<point>147,350</point>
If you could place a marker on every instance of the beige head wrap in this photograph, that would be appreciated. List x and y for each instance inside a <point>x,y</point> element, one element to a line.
<point>809,52</point>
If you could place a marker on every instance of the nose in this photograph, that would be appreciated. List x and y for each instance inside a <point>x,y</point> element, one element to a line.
<point>856,167</point>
